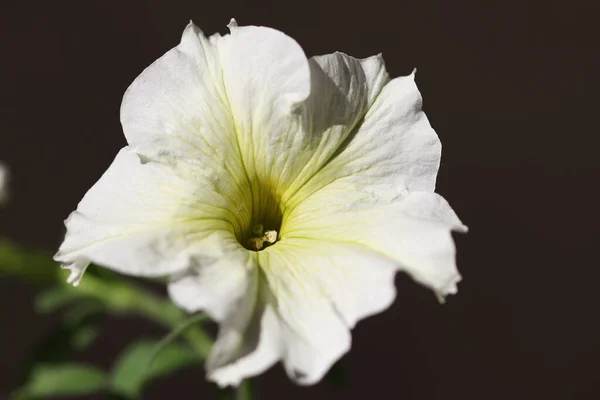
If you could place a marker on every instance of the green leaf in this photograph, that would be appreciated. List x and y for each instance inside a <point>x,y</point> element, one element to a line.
<point>55,298</point>
<point>63,380</point>
<point>80,321</point>
<point>84,311</point>
<point>67,338</point>
<point>30,265</point>
<point>131,371</point>
<point>84,337</point>
<point>113,291</point>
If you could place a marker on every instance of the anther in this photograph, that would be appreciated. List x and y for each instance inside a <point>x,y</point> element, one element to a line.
<point>255,243</point>
<point>270,236</point>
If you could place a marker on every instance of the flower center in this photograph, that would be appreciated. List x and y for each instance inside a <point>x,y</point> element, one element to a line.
<point>260,238</point>
<point>263,227</point>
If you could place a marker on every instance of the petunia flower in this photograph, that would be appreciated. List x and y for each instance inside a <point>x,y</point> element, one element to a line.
<point>281,194</point>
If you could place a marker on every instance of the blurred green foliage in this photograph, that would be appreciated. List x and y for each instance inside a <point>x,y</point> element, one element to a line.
<point>63,380</point>
<point>132,370</point>
<point>101,292</point>
<point>32,266</point>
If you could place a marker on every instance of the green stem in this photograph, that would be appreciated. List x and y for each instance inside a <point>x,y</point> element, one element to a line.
<point>180,330</point>
<point>244,391</point>
<point>128,298</point>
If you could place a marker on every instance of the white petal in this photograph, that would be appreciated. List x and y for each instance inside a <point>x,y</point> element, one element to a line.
<point>414,230</point>
<point>343,89</point>
<point>222,104</point>
<point>393,150</point>
<point>230,291</point>
<point>245,347</point>
<point>232,23</point>
<point>77,268</point>
<point>214,285</point>
<point>266,78</point>
<point>145,219</point>
<point>177,96</point>
<point>217,102</point>
<point>264,71</point>
<point>177,110</point>
<point>321,290</point>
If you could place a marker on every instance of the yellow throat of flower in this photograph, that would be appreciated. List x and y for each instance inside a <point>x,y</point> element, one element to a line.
<point>265,219</point>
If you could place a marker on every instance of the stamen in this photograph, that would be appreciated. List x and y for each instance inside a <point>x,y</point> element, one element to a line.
<point>255,243</point>
<point>270,236</point>
<point>258,243</point>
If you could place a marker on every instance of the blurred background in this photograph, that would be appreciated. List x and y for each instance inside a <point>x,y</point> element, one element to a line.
<point>511,88</point>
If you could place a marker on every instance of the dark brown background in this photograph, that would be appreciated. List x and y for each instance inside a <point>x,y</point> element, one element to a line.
<point>510,86</point>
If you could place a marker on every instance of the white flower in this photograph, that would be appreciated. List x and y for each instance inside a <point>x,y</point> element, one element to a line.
<point>281,193</point>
